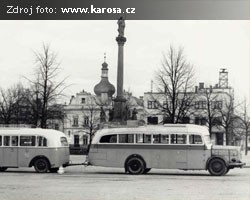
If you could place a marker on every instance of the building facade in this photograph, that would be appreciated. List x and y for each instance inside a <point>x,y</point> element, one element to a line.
<point>205,108</point>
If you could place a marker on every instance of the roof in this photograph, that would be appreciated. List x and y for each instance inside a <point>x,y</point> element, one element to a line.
<point>154,129</point>
<point>53,136</point>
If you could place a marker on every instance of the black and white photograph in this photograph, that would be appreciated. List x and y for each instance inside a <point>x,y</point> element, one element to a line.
<point>124,109</point>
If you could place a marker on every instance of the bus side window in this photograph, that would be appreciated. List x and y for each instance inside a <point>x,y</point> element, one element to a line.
<point>178,139</point>
<point>126,138</point>
<point>64,141</point>
<point>146,138</point>
<point>143,138</point>
<point>41,141</point>
<point>165,139</point>
<point>6,140</point>
<point>139,138</point>
<point>108,139</point>
<point>195,139</point>
<point>27,140</point>
<point>14,141</point>
<point>0,140</point>
<point>157,138</point>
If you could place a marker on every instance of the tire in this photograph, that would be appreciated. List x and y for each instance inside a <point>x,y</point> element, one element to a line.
<point>217,167</point>
<point>227,171</point>
<point>2,169</point>
<point>135,165</point>
<point>146,170</point>
<point>54,170</point>
<point>41,165</point>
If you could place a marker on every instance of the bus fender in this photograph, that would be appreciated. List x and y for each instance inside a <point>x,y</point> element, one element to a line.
<point>37,157</point>
<point>213,157</point>
<point>133,156</point>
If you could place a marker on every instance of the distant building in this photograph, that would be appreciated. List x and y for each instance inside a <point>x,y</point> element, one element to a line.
<point>197,113</point>
<point>86,109</point>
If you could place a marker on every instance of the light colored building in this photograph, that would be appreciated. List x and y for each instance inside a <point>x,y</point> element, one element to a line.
<point>87,112</point>
<point>218,96</point>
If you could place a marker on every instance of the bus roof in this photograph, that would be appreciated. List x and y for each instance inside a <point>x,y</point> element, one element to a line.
<point>50,134</point>
<point>154,129</point>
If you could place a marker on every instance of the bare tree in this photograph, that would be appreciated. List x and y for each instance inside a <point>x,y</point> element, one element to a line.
<point>174,81</point>
<point>46,87</point>
<point>245,120</point>
<point>92,116</point>
<point>11,102</point>
<point>228,117</point>
<point>211,110</point>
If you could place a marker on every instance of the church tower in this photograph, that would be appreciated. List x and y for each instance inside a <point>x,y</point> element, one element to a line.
<point>104,89</point>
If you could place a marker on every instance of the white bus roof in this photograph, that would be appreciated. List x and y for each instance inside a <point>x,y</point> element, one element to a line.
<point>154,129</point>
<point>50,134</point>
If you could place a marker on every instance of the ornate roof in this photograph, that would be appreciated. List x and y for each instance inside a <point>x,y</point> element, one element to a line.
<point>104,86</point>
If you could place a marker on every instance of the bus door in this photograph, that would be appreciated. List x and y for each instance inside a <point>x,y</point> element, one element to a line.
<point>179,150</point>
<point>196,152</point>
<point>10,151</point>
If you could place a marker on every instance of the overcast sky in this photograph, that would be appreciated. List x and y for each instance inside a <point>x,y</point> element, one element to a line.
<point>80,45</point>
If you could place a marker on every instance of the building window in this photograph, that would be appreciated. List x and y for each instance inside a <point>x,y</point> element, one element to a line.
<point>167,105</point>
<point>185,120</point>
<point>84,140</point>
<point>200,121</point>
<point>56,126</point>
<point>75,121</point>
<point>200,104</point>
<point>217,121</point>
<point>86,120</point>
<point>76,141</point>
<point>83,100</point>
<point>217,104</point>
<point>152,105</point>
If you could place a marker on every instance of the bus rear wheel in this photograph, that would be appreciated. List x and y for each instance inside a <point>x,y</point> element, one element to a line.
<point>135,165</point>
<point>217,167</point>
<point>41,165</point>
<point>2,169</point>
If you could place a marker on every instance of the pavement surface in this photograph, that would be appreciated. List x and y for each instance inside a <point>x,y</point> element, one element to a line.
<point>99,183</point>
<point>246,159</point>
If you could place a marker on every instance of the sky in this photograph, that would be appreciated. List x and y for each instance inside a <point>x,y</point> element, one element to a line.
<point>80,47</point>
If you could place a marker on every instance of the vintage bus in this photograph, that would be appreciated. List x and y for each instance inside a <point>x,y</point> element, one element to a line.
<point>44,149</point>
<point>186,147</point>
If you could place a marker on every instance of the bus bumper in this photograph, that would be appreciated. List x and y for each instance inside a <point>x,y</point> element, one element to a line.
<point>236,164</point>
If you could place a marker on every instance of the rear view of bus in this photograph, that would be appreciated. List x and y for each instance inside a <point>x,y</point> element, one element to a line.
<point>44,149</point>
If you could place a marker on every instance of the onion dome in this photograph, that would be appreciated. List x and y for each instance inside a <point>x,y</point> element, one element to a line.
<point>104,86</point>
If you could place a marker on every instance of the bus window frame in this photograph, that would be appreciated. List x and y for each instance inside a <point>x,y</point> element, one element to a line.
<point>202,139</point>
<point>9,141</point>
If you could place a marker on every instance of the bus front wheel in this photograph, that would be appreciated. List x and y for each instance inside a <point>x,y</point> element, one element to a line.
<point>217,167</point>
<point>41,165</point>
<point>135,165</point>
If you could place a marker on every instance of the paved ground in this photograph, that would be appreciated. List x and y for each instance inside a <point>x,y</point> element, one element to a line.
<point>92,183</point>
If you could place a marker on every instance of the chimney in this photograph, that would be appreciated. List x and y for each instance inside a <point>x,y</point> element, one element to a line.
<point>201,85</point>
<point>196,89</point>
<point>211,89</point>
